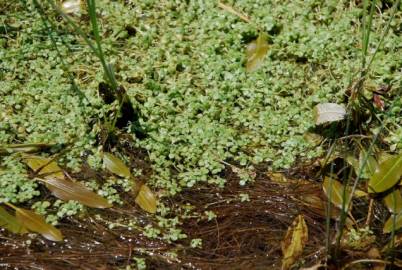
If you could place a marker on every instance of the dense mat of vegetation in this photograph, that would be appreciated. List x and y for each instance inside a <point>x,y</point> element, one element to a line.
<point>182,64</point>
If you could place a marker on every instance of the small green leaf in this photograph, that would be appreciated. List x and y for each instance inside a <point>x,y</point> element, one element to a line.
<point>45,166</point>
<point>328,112</point>
<point>256,52</point>
<point>389,224</point>
<point>393,201</point>
<point>10,223</point>
<point>335,192</point>
<point>293,244</point>
<point>115,165</point>
<point>370,166</point>
<point>387,174</point>
<point>354,162</point>
<point>146,199</point>
<point>37,223</point>
<point>68,190</point>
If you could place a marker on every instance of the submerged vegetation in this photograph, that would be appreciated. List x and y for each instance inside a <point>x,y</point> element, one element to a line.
<point>189,133</point>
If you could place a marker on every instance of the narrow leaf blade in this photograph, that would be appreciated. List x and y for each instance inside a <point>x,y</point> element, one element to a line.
<point>10,223</point>
<point>68,190</point>
<point>387,175</point>
<point>293,244</point>
<point>115,165</point>
<point>37,223</point>
<point>328,112</point>
<point>24,148</point>
<point>146,199</point>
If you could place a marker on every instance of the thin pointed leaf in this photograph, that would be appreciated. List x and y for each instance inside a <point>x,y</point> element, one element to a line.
<point>24,148</point>
<point>46,166</point>
<point>328,112</point>
<point>387,174</point>
<point>68,190</point>
<point>335,192</point>
<point>146,199</point>
<point>37,223</point>
<point>394,202</point>
<point>115,165</point>
<point>389,224</point>
<point>10,223</point>
<point>256,52</point>
<point>293,244</point>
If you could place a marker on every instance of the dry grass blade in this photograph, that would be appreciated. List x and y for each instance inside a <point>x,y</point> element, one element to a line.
<point>37,223</point>
<point>68,190</point>
<point>234,12</point>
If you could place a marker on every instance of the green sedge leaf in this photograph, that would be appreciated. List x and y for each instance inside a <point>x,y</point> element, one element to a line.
<point>389,224</point>
<point>10,223</point>
<point>46,166</point>
<point>115,165</point>
<point>387,175</point>
<point>37,223</point>
<point>69,190</point>
<point>334,190</point>
<point>293,244</point>
<point>256,52</point>
<point>146,199</point>
<point>393,201</point>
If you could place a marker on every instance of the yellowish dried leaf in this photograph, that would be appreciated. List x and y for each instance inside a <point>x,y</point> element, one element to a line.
<point>335,192</point>
<point>146,199</point>
<point>69,190</point>
<point>256,52</point>
<point>293,244</point>
<point>11,223</point>
<point>46,166</point>
<point>115,165</point>
<point>37,223</point>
